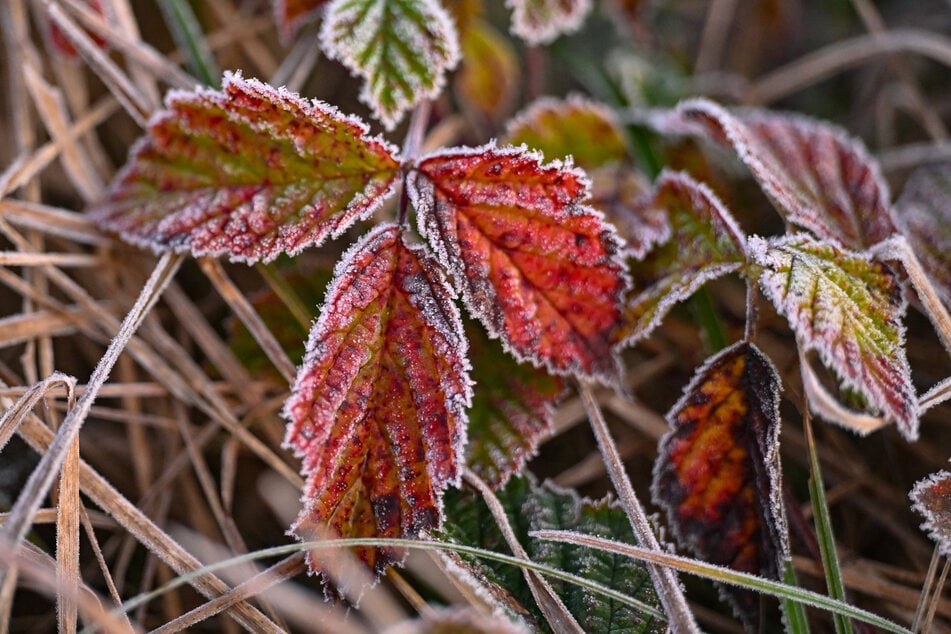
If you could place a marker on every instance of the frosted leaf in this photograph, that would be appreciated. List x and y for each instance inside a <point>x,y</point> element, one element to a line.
<point>932,498</point>
<point>622,194</point>
<point>378,407</point>
<point>541,21</point>
<point>818,176</point>
<point>249,171</point>
<point>848,308</point>
<point>923,212</point>
<point>717,474</point>
<point>401,48</point>
<point>578,128</point>
<point>704,244</point>
<point>535,266</point>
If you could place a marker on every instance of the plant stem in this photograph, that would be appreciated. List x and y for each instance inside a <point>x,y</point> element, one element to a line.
<point>186,31</point>
<point>664,579</point>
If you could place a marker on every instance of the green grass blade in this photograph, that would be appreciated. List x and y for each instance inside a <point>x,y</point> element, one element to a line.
<point>830,561</point>
<point>188,36</point>
<point>796,621</point>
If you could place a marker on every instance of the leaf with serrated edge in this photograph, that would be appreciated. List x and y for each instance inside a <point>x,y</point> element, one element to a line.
<point>717,472</point>
<point>818,176</point>
<point>923,212</point>
<point>849,309</point>
<point>401,48</point>
<point>512,409</point>
<point>932,498</point>
<point>538,268</point>
<point>704,244</point>
<point>541,21</point>
<point>248,171</point>
<point>532,507</point>
<point>291,15</point>
<point>585,130</point>
<point>378,407</point>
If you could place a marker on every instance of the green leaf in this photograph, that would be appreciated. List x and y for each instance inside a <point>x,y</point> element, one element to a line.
<point>249,171</point>
<point>531,507</point>
<point>849,309</point>
<point>704,243</point>
<point>401,48</point>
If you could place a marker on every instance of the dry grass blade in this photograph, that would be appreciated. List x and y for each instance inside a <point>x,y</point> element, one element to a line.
<point>15,412</point>
<point>556,614</point>
<point>67,540</point>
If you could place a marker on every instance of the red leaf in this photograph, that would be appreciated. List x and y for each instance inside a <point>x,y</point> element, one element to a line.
<point>717,474</point>
<point>249,171</point>
<point>378,407</point>
<point>818,176</point>
<point>539,269</point>
<point>292,15</point>
<point>924,213</point>
<point>932,498</point>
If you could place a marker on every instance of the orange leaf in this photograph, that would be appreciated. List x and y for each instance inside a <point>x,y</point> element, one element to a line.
<point>717,474</point>
<point>538,268</point>
<point>378,409</point>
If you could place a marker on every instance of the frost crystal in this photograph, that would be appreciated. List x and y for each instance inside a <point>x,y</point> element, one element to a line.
<point>541,21</point>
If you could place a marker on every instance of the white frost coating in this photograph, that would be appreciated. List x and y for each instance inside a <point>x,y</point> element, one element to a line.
<point>938,520</point>
<point>839,328</point>
<point>709,203</point>
<point>815,194</point>
<point>290,238</point>
<point>421,192</point>
<point>361,34</point>
<point>541,21</point>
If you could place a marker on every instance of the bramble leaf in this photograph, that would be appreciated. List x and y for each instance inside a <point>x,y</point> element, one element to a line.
<point>401,48</point>
<point>932,498</point>
<point>291,15</point>
<point>249,171</point>
<point>538,268</point>
<point>818,176</point>
<point>704,244</point>
<point>717,474</point>
<point>577,127</point>
<point>488,79</point>
<point>511,409</point>
<point>622,194</point>
<point>923,212</point>
<point>541,21</point>
<point>849,309</point>
<point>378,407</point>
<point>531,507</point>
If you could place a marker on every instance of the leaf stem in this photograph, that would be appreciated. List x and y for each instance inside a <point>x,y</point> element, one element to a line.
<point>411,145</point>
<point>664,579</point>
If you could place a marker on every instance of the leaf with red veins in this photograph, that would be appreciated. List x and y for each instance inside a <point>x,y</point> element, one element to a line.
<point>292,15</point>
<point>248,171</point>
<point>847,307</point>
<point>378,407</point>
<point>932,499</point>
<point>924,213</point>
<point>538,268</point>
<point>818,176</point>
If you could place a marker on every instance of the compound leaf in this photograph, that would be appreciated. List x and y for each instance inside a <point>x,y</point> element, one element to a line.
<point>541,21</point>
<point>849,309</point>
<point>291,15</point>
<point>923,212</point>
<point>401,48</point>
<point>512,409</point>
<point>538,268</point>
<point>818,176</point>
<point>704,243</point>
<point>585,130</point>
<point>531,507</point>
<point>249,171</point>
<point>378,408</point>
<point>932,498</point>
<point>717,474</point>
